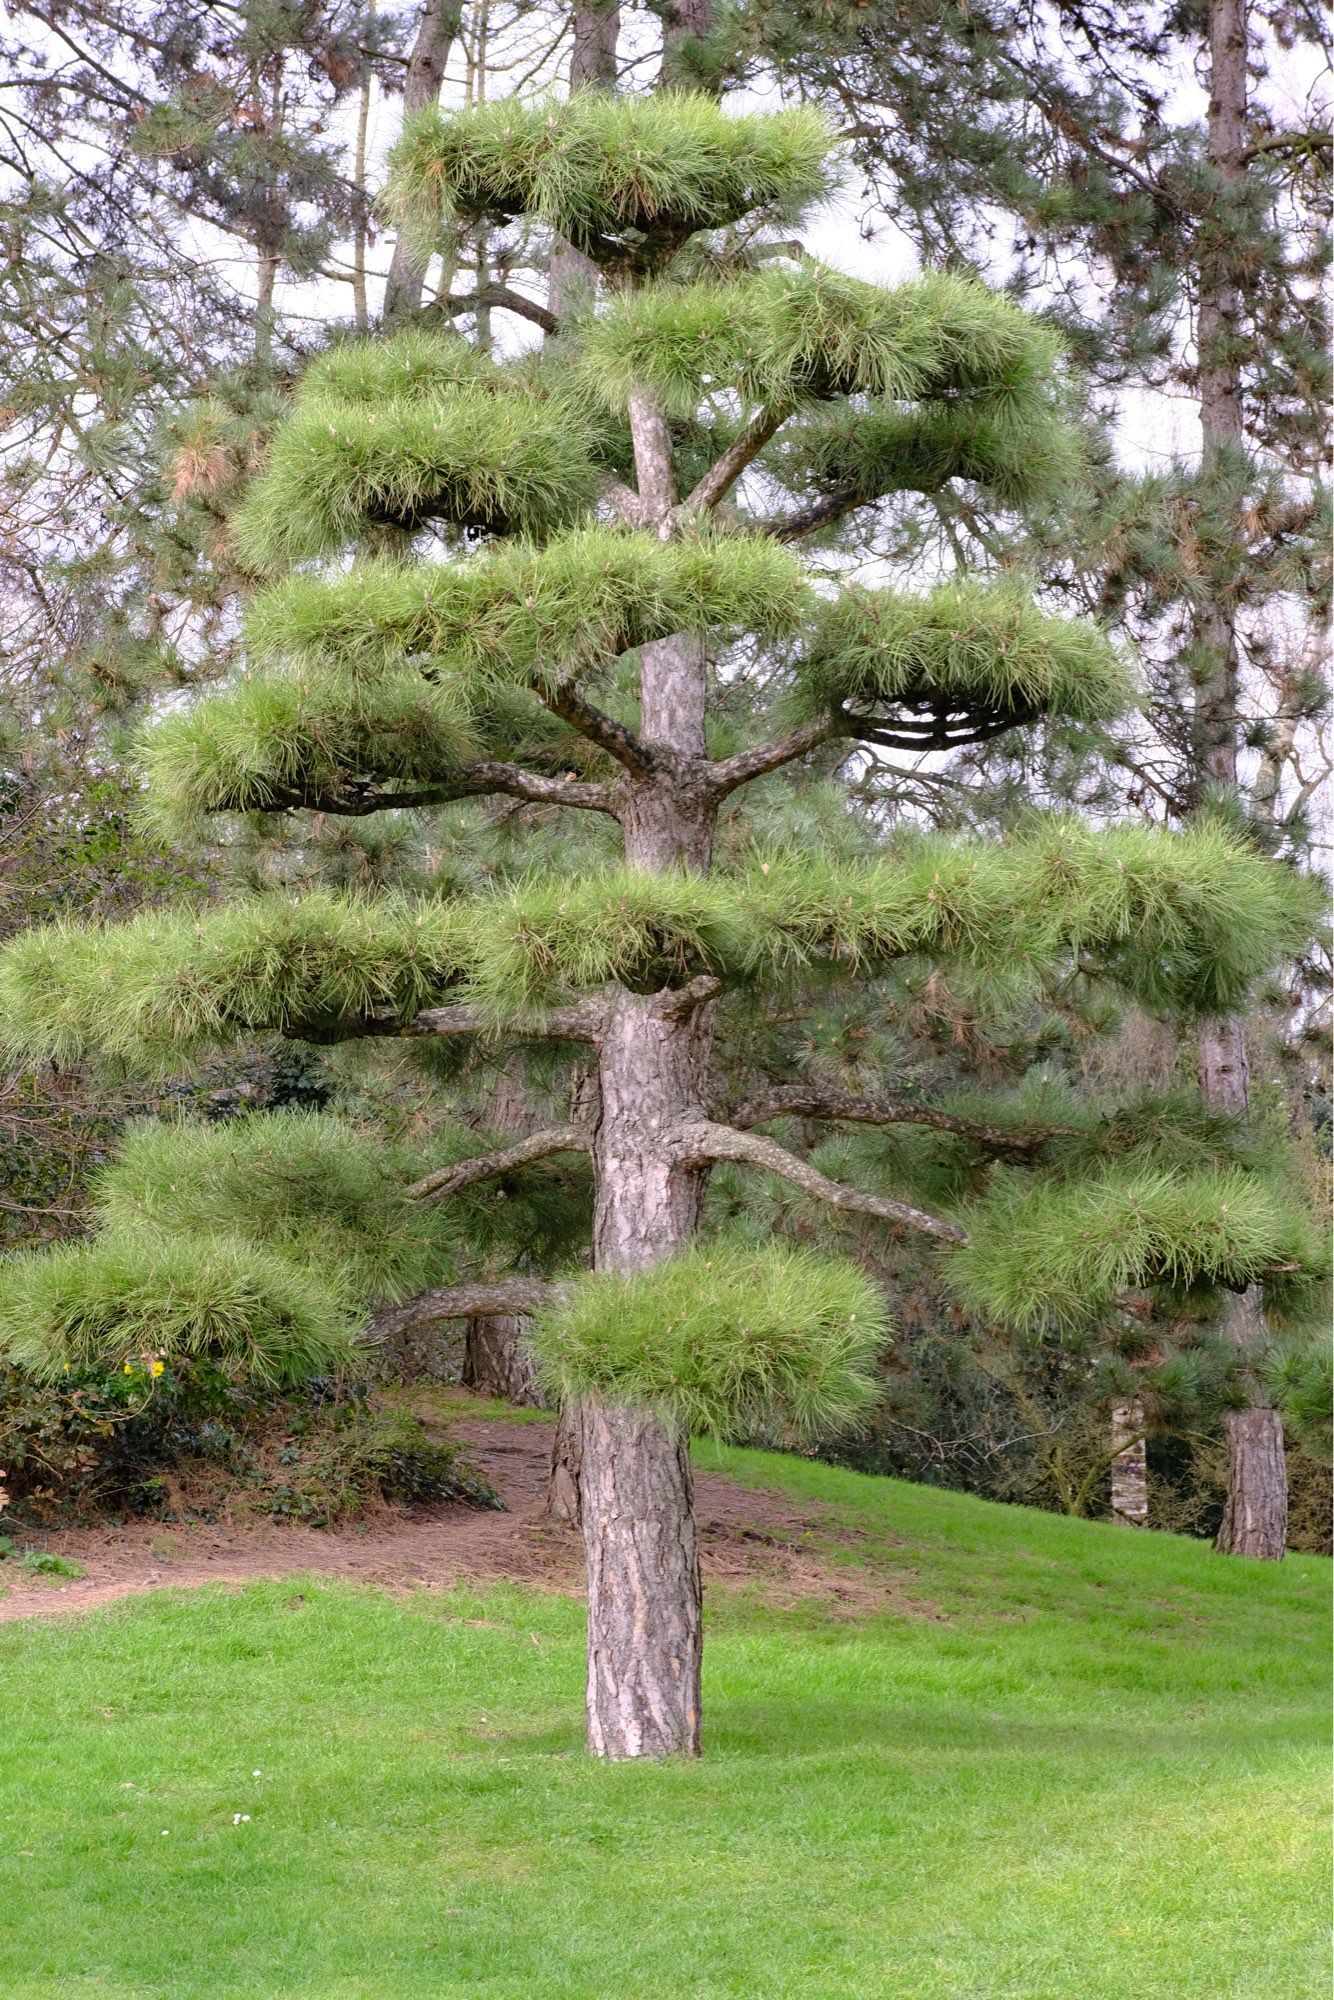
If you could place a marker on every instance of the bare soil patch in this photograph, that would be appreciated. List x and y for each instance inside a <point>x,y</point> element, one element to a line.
<point>749,1538</point>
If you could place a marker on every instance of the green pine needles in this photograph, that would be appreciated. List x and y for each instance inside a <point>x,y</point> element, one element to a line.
<point>1186,922</point>
<point>566,580</point>
<point>1049,1251</point>
<point>805,333</point>
<point>136,1296</point>
<point>725,1340</point>
<point>625,179</point>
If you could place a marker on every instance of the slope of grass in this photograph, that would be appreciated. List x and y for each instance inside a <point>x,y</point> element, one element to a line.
<point>1072,1764</point>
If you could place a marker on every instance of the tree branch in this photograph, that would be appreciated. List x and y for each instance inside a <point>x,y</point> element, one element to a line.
<point>473,1301</point>
<point>474,781</point>
<point>820,514</point>
<point>496,295</point>
<point>579,1021</point>
<point>723,474</point>
<point>727,773</point>
<point>446,1181</point>
<point>611,736</point>
<point>624,500</point>
<point>696,1144</point>
<point>800,1101</point>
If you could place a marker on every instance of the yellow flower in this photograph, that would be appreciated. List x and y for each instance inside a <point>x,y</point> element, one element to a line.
<point>158,1366</point>
<point>129,1368</point>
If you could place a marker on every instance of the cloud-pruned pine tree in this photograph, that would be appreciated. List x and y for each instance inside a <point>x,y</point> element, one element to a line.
<point>570,661</point>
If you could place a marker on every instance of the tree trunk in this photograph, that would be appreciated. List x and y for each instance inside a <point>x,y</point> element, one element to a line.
<point>1255,1520</point>
<point>597,27</point>
<point>644,1590</point>
<point>644,1594</point>
<point>567,1456</point>
<point>496,1361</point>
<point>1130,1467</point>
<point>440,25</point>
<point>1256,1515</point>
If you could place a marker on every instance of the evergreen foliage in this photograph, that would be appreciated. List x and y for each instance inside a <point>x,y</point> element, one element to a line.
<point>530,614</point>
<point>977,648</point>
<point>136,1296</point>
<point>786,335</point>
<point>308,1184</point>
<point>1183,921</point>
<point>625,179</point>
<point>1061,1252</point>
<point>726,1339</point>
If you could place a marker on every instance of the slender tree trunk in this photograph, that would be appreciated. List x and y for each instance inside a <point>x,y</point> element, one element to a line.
<point>440,24</point>
<point>597,27</point>
<point>1256,1516</point>
<point>1130,1467</point>
<point>1255,1521</point>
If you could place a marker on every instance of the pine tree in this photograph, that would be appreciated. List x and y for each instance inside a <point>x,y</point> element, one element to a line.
<point>553,560</point>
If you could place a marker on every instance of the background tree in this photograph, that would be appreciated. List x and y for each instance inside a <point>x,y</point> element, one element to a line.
<point>1176,236</point>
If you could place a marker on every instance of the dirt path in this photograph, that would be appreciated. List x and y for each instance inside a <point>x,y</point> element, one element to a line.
<point>746,1537</point>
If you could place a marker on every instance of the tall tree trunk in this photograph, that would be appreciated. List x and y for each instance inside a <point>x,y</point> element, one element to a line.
<point>1255,1521</point>
<point>1130,1467</point>
<point>440,25</point>
<point>644,1591</point>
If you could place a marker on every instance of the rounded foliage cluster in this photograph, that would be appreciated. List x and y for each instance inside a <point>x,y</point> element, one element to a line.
<point>625,179</point>
<point>724,1340</point>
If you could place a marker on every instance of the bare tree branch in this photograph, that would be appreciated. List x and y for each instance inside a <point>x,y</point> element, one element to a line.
<point>695,1144</point>
<point>578,1021</point>
<point>446,1181</point>
<point>496,295</point>
<point>727,773</point>
<point>611,736</point>
<point>473,1301</point>
<point>723,474</point>
<point>800,1101</point>
<point>360,797</point>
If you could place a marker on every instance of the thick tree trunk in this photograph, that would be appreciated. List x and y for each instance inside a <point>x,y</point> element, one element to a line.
<point>1130,1467</point>
<point>644,1593</point>
<point>1255,1520</point>
<point>496,1360</point>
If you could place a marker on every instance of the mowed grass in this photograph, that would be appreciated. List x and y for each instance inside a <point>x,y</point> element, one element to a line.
<point>1074,1763</point>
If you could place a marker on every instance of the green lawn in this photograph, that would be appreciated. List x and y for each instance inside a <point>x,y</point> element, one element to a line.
<point>1089,1765</point>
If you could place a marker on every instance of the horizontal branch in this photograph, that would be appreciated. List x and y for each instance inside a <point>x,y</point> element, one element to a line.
<point>497,295</point>
<point>820,514</point>
<point>446,1181</point>
<point>576,1021</point>
<point>360,797</point>
<point>727,773</point>
<point>723,474</point>
<point>798,1101</point>
<point>478,1300</point>
<point>696,1144</point>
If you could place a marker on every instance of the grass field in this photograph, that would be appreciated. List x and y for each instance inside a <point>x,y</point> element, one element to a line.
<point>1076,1763</point>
